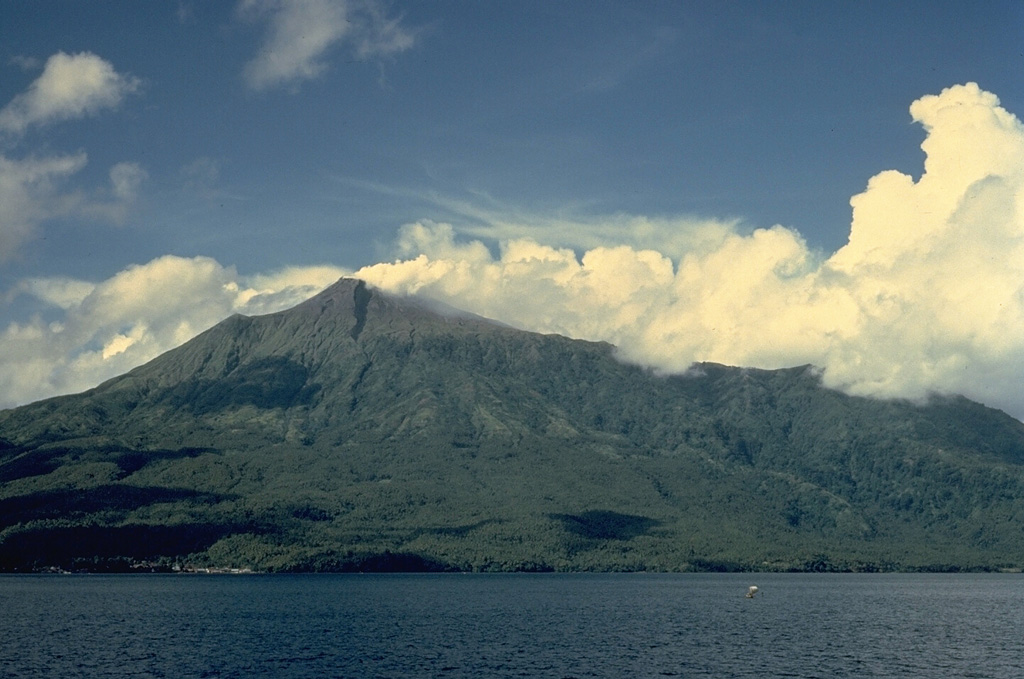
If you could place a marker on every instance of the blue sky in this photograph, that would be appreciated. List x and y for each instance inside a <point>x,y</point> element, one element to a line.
<point>270,145</point>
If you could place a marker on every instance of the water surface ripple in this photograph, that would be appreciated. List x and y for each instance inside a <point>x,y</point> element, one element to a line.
<point>461,626</point>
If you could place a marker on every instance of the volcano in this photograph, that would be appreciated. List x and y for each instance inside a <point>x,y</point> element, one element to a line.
<point>366,431</point>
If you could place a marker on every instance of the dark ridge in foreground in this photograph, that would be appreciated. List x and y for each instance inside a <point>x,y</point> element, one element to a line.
<point>361,431</point>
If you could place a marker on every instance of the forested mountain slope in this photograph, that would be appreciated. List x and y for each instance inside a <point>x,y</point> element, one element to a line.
<point>365,431</point>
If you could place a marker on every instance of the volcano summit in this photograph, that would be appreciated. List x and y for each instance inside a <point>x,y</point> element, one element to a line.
<point>366,431</point>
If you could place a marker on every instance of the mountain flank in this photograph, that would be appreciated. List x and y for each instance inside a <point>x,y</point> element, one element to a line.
<point>365,431</point>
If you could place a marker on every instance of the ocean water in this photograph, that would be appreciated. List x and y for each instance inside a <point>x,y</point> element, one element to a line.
<point>550,625</point>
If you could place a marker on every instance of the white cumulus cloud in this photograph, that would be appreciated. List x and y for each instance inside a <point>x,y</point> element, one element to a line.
<point>32,188</point>
<point>301,34</point>
<point>125,179</point>
<point>114,204</point>
<point>30,192</point>
<point>926,297</point>
<point>35,189</point>
<point>105,329</point>
<point>71,86</point>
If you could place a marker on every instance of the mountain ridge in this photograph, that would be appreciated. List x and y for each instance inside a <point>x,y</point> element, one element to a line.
<point>362,430</point>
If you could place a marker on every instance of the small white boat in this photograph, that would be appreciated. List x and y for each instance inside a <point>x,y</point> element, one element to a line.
<point>752,591</point>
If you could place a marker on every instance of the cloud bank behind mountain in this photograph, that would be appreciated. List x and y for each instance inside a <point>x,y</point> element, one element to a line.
<point>926,297</point>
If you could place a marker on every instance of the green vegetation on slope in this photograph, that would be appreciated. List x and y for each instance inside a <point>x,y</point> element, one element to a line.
<point>360,431</point>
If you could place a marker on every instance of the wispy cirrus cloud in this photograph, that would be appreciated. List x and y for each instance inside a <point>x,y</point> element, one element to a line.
<point>302,33</point>
<point>481,216</point>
